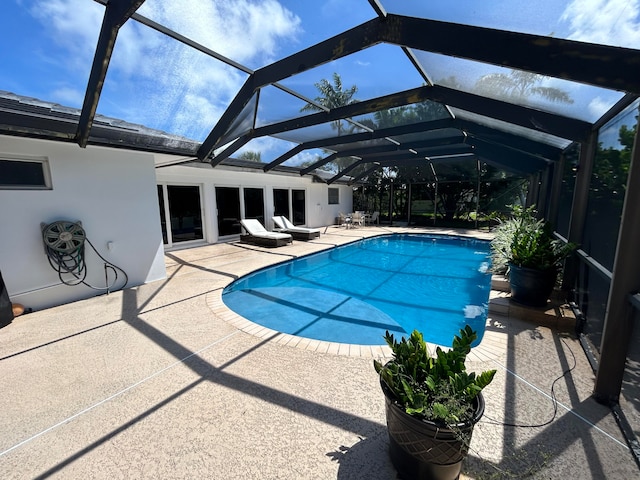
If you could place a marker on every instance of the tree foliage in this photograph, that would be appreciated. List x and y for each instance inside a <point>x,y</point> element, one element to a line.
<point>611,166</point>
<point>518,86</point>
<point>251,156</point>
<point>332,95</point>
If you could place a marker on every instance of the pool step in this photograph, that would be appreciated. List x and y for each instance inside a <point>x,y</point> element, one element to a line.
<point>556,315</point>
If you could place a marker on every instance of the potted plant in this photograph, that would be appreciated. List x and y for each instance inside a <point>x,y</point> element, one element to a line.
<point>432,404</point>
<point>532,256</point>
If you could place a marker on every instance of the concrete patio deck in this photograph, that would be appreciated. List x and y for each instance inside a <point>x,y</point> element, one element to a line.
<point>162,381</point>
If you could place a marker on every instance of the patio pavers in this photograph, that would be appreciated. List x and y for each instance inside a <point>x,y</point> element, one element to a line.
<point>161,381</point>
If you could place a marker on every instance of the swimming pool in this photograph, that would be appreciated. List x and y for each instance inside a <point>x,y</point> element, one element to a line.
<point>354,293</point>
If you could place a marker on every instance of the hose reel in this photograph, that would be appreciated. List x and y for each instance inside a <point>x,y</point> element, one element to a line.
<point>64,245</point>
<point>63,237</point>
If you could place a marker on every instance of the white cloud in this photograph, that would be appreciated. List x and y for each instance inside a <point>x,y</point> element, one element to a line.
<point>609,22</point>
<point>239,29</point>
<point>269,148</point>
<point>598,107</point>
<point>73,25</point>
<point>305,157</point>
<point>159,82</point>
<point>68,96</point>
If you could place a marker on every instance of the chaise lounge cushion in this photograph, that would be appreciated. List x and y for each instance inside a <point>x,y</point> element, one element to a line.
<point>254,232</point>
<point>299,233</point>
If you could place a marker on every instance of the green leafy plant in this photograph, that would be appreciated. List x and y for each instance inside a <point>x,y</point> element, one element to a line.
<point>437,387</point>
<point>537,248</point>
<point>526,241</point>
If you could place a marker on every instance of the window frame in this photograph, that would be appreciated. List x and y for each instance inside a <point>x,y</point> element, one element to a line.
<point>46,173</point>
<point>335,197</point>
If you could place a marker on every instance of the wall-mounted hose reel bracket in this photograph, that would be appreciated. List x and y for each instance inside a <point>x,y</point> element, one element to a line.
<point>64,244</point>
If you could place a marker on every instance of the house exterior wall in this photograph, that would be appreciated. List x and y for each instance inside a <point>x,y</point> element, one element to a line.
<point>318,211</point>
<point>111,191</point>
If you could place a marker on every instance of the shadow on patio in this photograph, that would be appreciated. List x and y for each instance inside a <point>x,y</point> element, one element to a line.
<point>150,383</point>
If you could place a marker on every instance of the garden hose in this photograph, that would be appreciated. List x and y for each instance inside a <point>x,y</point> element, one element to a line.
<point>64,244</point>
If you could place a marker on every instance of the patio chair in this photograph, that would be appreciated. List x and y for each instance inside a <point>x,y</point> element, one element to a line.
<point>357,219</point>
<point>254,232</point>
<point>298,233</point>
<point>374,218</point>
<point>345,220</point>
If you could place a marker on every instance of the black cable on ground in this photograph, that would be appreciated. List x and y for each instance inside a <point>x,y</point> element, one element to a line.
<point>618,414</point>
<point>553,399</point>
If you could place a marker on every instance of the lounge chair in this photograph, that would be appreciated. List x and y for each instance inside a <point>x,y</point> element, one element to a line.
<point>254,232</point>
<point>299,233</point>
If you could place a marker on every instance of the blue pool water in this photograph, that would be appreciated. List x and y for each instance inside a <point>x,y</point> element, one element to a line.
<point>354,293</point>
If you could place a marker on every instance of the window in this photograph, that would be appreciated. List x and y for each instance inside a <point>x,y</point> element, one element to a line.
<point>334,196</point>
<point>24,174</point>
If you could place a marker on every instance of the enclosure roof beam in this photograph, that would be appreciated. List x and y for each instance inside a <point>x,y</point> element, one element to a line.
<point>389,150</point>
<point>508,139</point>
<point>319,163</point>
<point>392,147</point>
<point>551,123</point>
<point>405,158</point>
<point>407,97</point>
<point>365,174</point>
<point>116,13</point>
<point>452,149</point>
<point>363,137</point>
<point>242,98</point>
<point>506,156</point>
<point>599,65</point>
<point>345,170</point>
<point>346,43</point>
<point>593,64</point>
<point>343,44</point>
<point>231,149</point>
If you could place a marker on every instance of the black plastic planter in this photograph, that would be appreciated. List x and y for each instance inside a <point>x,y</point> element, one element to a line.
<point>531,287</point>
<point>424,450</point>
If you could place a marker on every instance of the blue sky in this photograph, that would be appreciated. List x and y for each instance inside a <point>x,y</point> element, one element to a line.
<point>46,49</point>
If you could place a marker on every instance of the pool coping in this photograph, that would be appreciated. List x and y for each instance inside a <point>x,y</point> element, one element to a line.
<point>215,303</point>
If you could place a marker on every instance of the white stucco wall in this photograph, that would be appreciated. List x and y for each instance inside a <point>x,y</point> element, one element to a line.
<point>318,211</point>
<point>112,192</point>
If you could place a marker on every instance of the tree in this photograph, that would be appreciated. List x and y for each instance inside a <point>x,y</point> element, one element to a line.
<point>407,114</point>
<point>326,167</point>
<point>332,96</point>
<point>251,156</point>
<point>611,167</point>
<point>518,86</point>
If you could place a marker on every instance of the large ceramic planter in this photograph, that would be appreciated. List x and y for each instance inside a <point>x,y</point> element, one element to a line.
<point>531,287</point>
<point>424,450</point>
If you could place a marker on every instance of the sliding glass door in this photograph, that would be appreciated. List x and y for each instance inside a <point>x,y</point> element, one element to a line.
<point>228,202</point>
<point>254,204</point>
<point>299,207</point>
<point>284,203</point>
<point>281,202</point>
<point>181,205</point>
